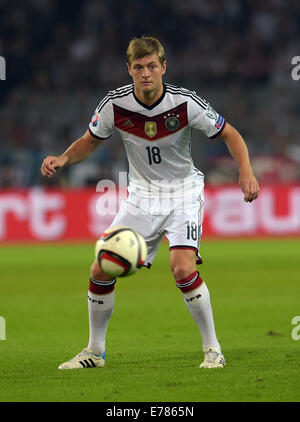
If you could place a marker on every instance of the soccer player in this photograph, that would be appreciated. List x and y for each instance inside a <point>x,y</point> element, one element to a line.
<point>155,120</point>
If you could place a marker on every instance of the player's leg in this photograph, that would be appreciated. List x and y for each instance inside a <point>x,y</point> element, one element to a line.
<point>101,299</point>
<point>100,306</point>
<point>184,230</point>
<point>196,294</point>
<point>197,299</point>
<point>101,286</point>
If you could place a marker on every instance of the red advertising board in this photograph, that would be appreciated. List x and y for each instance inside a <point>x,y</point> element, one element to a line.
<point>82,214</point>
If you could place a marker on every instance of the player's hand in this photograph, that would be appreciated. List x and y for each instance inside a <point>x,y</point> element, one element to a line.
<point>51,163</point>
<point>249,185</point>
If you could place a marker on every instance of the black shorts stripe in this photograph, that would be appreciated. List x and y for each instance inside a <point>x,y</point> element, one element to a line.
<point>183,247</point>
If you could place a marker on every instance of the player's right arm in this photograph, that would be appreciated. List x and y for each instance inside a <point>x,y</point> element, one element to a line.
<point>77,152</point>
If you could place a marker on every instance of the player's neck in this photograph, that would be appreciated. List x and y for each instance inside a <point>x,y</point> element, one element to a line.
<point>149,98</point>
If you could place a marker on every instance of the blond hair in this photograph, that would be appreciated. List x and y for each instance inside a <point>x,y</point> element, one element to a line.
<point>144,46</point>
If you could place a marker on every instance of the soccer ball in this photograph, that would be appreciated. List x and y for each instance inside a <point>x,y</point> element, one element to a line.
<point>120,251</point>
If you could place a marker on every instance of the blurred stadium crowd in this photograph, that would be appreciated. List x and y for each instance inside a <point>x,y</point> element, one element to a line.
<point>63,57</point>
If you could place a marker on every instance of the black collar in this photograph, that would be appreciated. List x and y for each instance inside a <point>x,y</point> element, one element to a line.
<point>154,104</point>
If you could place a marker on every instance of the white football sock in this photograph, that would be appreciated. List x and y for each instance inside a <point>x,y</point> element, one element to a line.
<point>100,310</point>
<point>198,303</point>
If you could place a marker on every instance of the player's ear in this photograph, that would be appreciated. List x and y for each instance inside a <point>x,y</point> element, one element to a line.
<point>128,68</point>
<point>164,67</point>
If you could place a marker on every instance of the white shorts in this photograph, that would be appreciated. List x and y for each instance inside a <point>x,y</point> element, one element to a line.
<point>180,219</point>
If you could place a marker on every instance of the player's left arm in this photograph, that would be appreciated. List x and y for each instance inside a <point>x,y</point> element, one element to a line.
<point>239,151</point>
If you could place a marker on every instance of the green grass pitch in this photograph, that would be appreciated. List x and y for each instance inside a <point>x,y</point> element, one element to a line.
<point>153,346</point>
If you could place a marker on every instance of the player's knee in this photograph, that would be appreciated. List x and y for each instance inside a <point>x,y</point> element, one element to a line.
<point>181,270</point>
<point>185,274</point>
<point>98,274</point>
<point>182,263</point>
<point>100,282</point>
<point>188,280</point>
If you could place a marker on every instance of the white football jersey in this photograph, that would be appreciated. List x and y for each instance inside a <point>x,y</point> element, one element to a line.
<point>157,138</point>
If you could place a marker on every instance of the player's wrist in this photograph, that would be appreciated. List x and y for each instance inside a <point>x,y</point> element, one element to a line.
<point>245,169</point>
<point>64,159</point>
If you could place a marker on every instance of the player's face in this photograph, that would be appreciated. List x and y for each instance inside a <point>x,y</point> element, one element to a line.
<point>147,73</point>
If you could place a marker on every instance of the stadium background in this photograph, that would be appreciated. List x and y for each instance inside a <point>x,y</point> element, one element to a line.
<point>61,59</point>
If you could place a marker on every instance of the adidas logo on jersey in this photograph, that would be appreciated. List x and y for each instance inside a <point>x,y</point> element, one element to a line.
<point>128,123</point>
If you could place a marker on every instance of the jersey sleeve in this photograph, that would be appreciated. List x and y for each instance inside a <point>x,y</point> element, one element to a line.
<point>102,122</point>
<point>203,117</point>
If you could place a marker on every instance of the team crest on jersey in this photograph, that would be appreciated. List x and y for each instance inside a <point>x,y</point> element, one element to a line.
<point>172,123</point>
<point>150,129</point>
